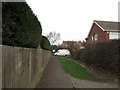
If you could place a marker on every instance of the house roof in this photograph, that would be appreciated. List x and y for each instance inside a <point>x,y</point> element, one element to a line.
<point>79,43</point>
<point>68,42</point>
<point>108,25</point>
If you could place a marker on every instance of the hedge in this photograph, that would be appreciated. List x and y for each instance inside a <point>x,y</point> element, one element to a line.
<point>20,26</point>
<point>45,44</point>
<point>55,48</point>
<point>103,55</point>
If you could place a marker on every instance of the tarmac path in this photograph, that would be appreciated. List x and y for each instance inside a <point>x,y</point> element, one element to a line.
<point>55,77</point>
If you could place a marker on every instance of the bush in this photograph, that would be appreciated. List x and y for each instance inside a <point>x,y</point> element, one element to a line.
<point>20,26</point>
<point>103,55</point>
<point>45,44</point>
<point>81,55</point>
<point>55,47</point>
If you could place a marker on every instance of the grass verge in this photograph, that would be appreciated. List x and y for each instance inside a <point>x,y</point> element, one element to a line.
<point>78,71</point>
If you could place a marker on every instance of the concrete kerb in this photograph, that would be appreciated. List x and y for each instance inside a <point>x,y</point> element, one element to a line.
<point>74,86</point>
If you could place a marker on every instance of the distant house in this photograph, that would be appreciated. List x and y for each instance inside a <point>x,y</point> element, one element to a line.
<point>104,30</point>
<point>68,44</point>
<point>79,45</point>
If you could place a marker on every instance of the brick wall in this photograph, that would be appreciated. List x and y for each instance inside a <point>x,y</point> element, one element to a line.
<point>102,36</point>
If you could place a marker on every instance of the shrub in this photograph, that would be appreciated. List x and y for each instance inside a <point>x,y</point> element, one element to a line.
<point>45,44</point>
<point>20,26</point>
<point>81,55</point>
<point>103,55</point>
<point>55,47</point>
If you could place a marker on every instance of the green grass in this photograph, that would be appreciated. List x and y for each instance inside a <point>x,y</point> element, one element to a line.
<point>78,71</point>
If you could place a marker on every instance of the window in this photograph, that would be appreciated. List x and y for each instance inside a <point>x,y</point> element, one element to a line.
<point>94,37</point>
<point>114,35</point>
<point>66,45</point>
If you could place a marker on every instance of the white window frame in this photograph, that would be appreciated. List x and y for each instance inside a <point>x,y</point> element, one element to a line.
<point>114,35</point>
<point>94,37</point>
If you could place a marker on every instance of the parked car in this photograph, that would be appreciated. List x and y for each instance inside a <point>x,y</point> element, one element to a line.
<point>62,52</point>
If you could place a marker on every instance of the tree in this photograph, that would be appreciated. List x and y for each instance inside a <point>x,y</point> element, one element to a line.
<point>55,48</point>
<point>73,49</point>
<point>45,44</point>
<point>20,26</point>
<point>53,37</point>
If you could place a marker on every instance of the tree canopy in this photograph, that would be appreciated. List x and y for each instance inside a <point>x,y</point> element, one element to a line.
<point>20,26</point>
<point>45,44</point>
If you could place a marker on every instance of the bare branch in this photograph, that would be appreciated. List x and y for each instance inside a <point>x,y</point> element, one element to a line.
<point>53,37</point>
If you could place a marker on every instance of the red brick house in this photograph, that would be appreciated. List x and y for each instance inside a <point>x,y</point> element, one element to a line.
<point>79,45</point>
<point>68,44</point>
<point>103,30</point>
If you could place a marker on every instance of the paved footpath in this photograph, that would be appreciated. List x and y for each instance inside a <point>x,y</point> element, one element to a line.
<point>55,77</point>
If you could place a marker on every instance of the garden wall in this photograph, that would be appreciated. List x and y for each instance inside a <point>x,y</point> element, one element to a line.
<point>23,67</point>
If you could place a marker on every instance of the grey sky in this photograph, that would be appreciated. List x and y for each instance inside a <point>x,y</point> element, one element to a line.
<point>12,0</point>
<point>73,18</point>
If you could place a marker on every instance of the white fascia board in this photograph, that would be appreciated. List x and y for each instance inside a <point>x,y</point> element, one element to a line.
<point>113,30</point>
<point>99,26</point>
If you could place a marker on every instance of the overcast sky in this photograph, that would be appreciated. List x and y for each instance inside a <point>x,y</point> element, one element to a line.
<point>73,18</point>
